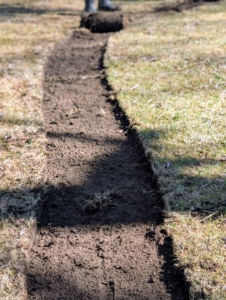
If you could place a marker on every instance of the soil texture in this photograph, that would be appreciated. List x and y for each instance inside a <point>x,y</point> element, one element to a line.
<point>98,234</point>
<point>103,22</point>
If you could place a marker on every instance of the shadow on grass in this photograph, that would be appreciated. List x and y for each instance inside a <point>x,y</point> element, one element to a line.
<point>184,179</point>
<point>7,10</point>
<point>179,7</point>
<point>21,122</point>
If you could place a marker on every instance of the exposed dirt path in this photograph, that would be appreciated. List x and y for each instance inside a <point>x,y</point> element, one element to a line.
<point>98,236</point>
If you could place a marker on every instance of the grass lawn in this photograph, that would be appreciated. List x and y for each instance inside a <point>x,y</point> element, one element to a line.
<point>169,72</point>
<point>28,33</point>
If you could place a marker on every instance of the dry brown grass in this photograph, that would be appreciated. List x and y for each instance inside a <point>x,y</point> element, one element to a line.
<point>28,32</point>
<point>100,202</point>
<point>169,73</point>
<point>154,52</point>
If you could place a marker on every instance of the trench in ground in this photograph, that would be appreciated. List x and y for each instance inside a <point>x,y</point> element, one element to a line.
<point>98,235</point>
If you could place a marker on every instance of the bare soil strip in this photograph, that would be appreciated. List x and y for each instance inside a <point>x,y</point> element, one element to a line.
<point>98,235</point>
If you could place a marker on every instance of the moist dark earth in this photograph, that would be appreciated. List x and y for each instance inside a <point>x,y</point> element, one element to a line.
<point>98,235</point>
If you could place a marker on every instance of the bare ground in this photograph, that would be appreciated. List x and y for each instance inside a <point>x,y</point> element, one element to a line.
<point>98,235</point>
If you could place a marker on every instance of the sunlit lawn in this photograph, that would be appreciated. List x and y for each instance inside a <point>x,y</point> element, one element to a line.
<point>169,73</point>
<point>28,32</point>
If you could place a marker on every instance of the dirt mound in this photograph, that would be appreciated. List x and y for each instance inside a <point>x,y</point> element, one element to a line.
<point>103,22</point>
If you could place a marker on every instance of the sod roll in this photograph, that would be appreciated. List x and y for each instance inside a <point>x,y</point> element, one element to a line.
<point>100,22</point>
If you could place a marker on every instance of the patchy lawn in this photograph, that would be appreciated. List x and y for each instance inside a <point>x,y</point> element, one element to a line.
<point>169,72</point>
<point>28,32</point>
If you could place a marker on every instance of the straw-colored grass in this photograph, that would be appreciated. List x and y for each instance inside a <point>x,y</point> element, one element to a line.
<point>169,73</point>
<point>28,32</point>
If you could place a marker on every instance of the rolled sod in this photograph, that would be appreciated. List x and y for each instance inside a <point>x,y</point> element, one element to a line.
<point>100,22</point>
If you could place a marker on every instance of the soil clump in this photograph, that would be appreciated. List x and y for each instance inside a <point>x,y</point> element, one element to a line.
<point>103,22</point>
<point>98,234</point>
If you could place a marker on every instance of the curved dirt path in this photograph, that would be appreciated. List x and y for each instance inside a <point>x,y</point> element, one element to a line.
<point>98,235</point>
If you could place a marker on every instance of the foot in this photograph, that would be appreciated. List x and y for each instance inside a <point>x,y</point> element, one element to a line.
<point>109,7</point>
<point>89,6</point>
<point>90,10</point>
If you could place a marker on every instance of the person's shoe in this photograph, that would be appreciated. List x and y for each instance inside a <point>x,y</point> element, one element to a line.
<point>89,7</point>
<point>106,5</point>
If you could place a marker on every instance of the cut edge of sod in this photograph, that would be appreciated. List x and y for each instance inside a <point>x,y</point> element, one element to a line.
<point>169,74</point>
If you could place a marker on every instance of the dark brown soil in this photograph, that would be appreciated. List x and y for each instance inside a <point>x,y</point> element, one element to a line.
<point>103,22</point>
<point>98,234</point>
